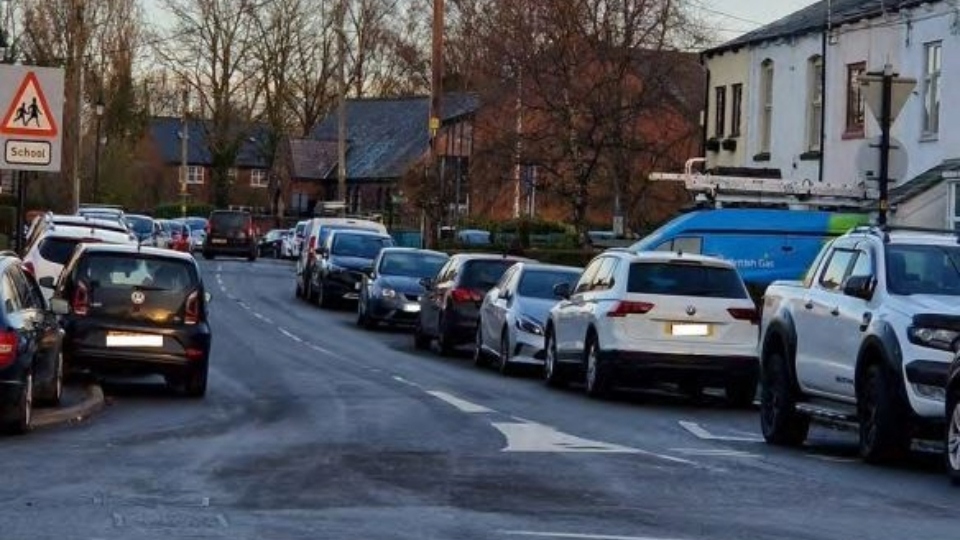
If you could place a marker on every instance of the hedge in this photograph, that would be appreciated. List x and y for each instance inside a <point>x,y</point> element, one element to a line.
<point>172,210</point>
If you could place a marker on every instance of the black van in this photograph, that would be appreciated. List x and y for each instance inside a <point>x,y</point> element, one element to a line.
<point>230,232</point>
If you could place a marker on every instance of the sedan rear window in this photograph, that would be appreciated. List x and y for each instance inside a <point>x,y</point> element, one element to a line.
<point>685,280</point>
<point>484,274</point>
<point>126,272</point>
<point>58,250</point>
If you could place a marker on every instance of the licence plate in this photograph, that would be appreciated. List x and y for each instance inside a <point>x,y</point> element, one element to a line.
<point>351,296</point>
<point>122,339</point>
<point>219,241</point>
<point>690,330</point>
<point>411,308</point>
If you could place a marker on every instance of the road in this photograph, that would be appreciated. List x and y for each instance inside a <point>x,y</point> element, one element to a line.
<point>313,428</point>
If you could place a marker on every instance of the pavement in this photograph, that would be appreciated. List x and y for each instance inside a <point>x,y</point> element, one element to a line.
<point>81,400</point>
<point>313,428</point>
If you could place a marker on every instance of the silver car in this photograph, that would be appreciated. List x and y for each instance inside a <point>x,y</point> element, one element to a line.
<point>513,313</point>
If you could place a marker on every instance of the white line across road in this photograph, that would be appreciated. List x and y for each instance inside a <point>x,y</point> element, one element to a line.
<point>580,536</point>
<point>698,431</point>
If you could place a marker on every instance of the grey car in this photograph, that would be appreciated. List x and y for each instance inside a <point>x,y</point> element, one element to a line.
<point>391,292</point>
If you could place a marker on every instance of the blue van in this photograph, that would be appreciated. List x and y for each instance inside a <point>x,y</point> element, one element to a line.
<point>765,244</point>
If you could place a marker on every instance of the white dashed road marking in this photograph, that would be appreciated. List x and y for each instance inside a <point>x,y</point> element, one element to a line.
<point>294,337</point>
<point>462,405</point>
<point>699,432</point>
<point>580,536</point>
<point>540,438</point>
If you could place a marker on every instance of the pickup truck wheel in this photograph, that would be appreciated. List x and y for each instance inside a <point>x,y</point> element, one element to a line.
<point>780,422</point>
<point>953,439</point>
<point>884,436</point>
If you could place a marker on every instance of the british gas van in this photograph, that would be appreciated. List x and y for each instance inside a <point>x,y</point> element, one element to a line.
<point>765,244</point>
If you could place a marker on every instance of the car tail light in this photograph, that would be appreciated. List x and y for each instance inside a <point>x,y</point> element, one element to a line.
<point>28,268</point>
<point>624,308</point>
<point>191,314</point>
<point>465,295</point>
<point>194,353</point>
<point>313,245</point>
<point>8,348</point>
<point>745,314</point>
<point>81,299</point>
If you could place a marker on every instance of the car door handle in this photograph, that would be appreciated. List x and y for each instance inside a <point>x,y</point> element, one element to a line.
<point>809,304</point>
<point>835,311</point>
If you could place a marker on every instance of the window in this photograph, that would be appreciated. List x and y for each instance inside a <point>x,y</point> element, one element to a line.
<point>232,175</point>
<point>258,178</point>
<point>766,105</point>
<point>864,265</point>
<point>953,219</point>
<point>836,271</point>
<point>736,109</point>
<point>720,105</point>
<point>933,59</point>
<point>923,269</point>
<point>194,175</point>
<point>683,244</point>
<point>540,283</point>
<point>605,276</point>
<point>855,101</point>
<point>586,279</point>
<point>815,103</point>
<point>698,280</point>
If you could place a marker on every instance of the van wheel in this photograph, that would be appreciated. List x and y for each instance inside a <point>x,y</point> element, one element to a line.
<point>780,422</point>
<point>884,436</point>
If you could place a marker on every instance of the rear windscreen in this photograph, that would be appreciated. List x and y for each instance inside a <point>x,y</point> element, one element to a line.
<point>359,245</point>
<point>58,250</point>
<point>230,221</point>
<point>129,271</point>
<point>685,280</point>
<point>140,226</point>
<point>484,275</point>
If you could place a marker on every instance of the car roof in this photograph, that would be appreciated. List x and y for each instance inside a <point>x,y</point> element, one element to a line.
<point>76,231</point>
<point>134,250</point>
<point>61,219</point>
<point>359,232</point>
<point>401,249</point>
<point>137,216</point>
<point>491,257</point>
<point>669,257</point>
<point>545,266</point>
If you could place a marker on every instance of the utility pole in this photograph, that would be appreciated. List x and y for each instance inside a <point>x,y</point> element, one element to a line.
<point>77,60</point>
<point>342,108</point>
<point>518,151</point>
<point>436,99</point>
<point>885,122</point>
<point>184,137</point>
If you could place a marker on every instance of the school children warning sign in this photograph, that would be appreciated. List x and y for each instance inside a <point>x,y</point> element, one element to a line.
<point>31,101</point>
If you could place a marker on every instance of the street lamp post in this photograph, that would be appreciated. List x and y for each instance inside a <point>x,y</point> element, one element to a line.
<point>96,156</point>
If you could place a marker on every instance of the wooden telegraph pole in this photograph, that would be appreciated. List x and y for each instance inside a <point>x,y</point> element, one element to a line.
<point>342,108</point>
<point>432,230</point>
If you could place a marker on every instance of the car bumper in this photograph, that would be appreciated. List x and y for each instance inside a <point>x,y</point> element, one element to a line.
<point>393,310</point>
<point>675,367</point>
<point>528,349</point>
<point>85,347</point>
<point>344,285</point>
<point>927,387</point>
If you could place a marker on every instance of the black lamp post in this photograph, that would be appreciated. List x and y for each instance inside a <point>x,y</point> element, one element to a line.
<point>96,156</point>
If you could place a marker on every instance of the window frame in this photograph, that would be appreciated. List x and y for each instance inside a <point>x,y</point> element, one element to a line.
<point>720,111</point>
<point>767,75</point>
<point>260,174</point>
<point>815,103</point>
<point>932,80</point>
<point>953,214</point>
<point>855,120</point>
<point>736,108</point>
<point>852,252</point>
<point>195,175</point>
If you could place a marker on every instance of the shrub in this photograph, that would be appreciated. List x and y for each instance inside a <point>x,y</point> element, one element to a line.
<point>172,210</point>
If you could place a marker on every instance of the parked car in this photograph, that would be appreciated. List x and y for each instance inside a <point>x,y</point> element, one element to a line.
<point>135,311</point>
<point>52,249</point>
<point>638,319</point>
<point>31,363</point>
<point>230,232</point>
<point>180,238</point>
<point>298,237</point>
<point>864,342</point>
<point>953,419</point>
<point>41,223</point>
<point>316,232</point>
<point>198,231</point>
<point>345,258</point>
<point>451,304</point>
<point>146,229</point>
<point>514,312</point>
<point>271,244</point>
<point>391,292</point>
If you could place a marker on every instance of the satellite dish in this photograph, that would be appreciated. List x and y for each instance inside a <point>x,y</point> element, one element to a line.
<point>868,161</point>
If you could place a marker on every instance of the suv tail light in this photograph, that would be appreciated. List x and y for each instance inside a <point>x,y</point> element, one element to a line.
<point>465,295</point>
<point>8,348</point>
<point>745,314</point>
<point>28,268</point>
<point>625,308</point>
<point>191,314</point>
<point>81,299</point>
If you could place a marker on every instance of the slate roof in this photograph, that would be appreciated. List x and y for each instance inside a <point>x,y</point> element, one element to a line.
<point>386,135</point>
<point>813,18</point>
<point>925,181</point>
<point>164,131</point>
<point>311,159</point>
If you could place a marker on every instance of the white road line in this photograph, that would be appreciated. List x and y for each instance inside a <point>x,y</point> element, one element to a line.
<point>714,452</point>
<point>701,433</point>
<point>320,349</point>
<point>219,267</point>
<point>289,335</point>
<point>533,437</point>
<point>223,520</point>
<point>401,380</point>
<point>117,520</point>
<point>580,536</point>
<point>462,405</point>
<point>833,459</point>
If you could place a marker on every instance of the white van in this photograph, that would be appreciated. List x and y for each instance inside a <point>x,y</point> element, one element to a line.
<point>315,233</point>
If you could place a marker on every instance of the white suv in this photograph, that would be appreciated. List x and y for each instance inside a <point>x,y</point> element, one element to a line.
<point>52,249</point>
<point>644,318</point>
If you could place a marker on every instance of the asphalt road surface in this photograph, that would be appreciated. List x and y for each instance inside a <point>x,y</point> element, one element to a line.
<point>313,428</point>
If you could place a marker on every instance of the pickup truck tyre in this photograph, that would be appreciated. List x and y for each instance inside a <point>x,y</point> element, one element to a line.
<point>742,391</point>
<point>884,434</point>
<point>597,374</point>
<point>780,422</point>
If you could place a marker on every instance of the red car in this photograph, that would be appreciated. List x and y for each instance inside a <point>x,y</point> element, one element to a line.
<point>179,237</point>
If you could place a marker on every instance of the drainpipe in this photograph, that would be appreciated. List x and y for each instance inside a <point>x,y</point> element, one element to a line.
<point>823,97</point>
<point>704,120</point>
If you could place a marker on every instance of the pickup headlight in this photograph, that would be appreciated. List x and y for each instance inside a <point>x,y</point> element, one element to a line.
<point>935,338</point>
<point>528,325</point>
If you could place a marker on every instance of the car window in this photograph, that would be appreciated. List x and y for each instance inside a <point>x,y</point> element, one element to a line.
<point>540,283</point>
<point>416,265</point>
<point>586,279</point>
<point>923,269</point>
<point>11,296</point>
<point>484,274</point>
<point>120,271</point>
<point>59,250</point>
<point>359,245</point>
<point>139,225</point>
<point>605,275</point>
<point>863,267</point>
<point>230,220</point>
<point>836,270</point>
<point>28,300</point>
<point>671,279</point>
<point>504,283</point>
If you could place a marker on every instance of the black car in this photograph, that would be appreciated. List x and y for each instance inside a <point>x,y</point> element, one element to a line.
<point>392,291</point>
<point>135,311</point>
<point>450,308</point>
<point>953,421</point>
<point>31,365</point>
<point>271,245</point>
<point>345,258</point>
<point>230,232</point>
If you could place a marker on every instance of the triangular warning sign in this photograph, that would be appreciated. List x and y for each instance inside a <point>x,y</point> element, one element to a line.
<point>29,113</point>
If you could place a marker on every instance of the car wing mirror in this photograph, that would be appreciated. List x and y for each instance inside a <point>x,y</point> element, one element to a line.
<point>60,306</point>
<point>562,290</point>
<point>859,287</point>
<point>47,282</point>
<point>426,283</point>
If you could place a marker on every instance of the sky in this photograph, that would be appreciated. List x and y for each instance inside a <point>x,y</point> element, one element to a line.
<point>734,17</point>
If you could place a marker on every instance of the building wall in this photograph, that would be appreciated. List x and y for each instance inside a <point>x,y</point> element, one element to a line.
<point>929,209</point>
<point>727,69</point>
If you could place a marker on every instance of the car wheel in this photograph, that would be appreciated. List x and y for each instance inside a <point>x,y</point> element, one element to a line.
<point>195,384</point>
<point>479,356</point>
<point>22,414</point>
<point>52,392</point>
<point>953,439</point>
<point>884,436</point>
<point>323,299</point>
<point>780,422</point>
<point>742,391</point>
<point>598,376</point>
<point>443,337</point>
<point>551,369</point>
<point>421,341</point>
<point>363,316</point>
<point>208,255</point>
<point>505,365</point>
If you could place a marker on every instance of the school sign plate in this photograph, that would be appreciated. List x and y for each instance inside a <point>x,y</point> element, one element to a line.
<point>31,118</point>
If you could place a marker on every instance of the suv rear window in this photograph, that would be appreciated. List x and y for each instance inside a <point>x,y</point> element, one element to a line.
<point>359,245</point>
<point>484,274</point>
<point>230,220</point>
<point>685,280</point>
<point>58,250</point>
<point>126,272</point>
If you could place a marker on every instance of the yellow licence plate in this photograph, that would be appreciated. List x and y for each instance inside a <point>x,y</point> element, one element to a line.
<point>689,330</point>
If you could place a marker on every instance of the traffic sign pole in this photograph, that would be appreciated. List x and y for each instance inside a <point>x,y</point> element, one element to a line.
<point>885,122</point>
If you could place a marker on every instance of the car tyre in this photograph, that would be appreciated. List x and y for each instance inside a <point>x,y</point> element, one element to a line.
<point>552,374</point>
<point>741,392</point>
<point>323,299</point>
<point>52,393</point>
<point>195,383</point>
<point>505,366</point>
<point>209,255</point>
<point>21,416</point>
<point>884,436</point>
<point>480,358</point>
<point>780,422</point>
<point>443,337</point>
<point>597,374</point>
<point>364,320</point>
<point>421,341</point>
<point>953,438</point>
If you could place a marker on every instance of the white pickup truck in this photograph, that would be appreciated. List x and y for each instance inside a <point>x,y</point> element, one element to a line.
<point>864,341</point>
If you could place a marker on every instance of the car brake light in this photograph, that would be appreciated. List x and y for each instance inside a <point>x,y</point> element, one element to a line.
<point>745,314</point>
<point>194,354</point>
<point>313,245</point>
<point>81,299</point>
<point>28,268</point>
<point>8,348</point>
<point>192,312</point>
<point>465,295</point>
<point>624,308</point>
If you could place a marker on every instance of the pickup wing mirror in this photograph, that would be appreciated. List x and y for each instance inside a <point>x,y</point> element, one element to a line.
<point>859,287</point>
<point>562,290</point>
